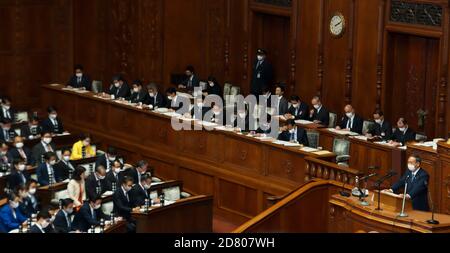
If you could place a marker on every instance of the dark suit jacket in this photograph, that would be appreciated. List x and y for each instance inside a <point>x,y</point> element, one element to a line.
<point>35,230</point>
<point>190,85</point>
<point>122,206</point>
<point>177,105</point>
<point>283,106</point>
<point>12,112</point>
<point>159,102</point>
<point>133,173</point>
<point>121,92</point>
<point>384,131</point>
<point>16,179</point>
<point>85,82</point>
<point>28,208</point>
<point>43,177</point>
<point>301,113</point>
<point>357,127</point>
<point>14,154</point>
<point>101,160</point>
<point>302,137</point>
<point>404,138</point>
<point>12,135</point>
<point>215,90</point>
<point>61,223</point>
<point>111,178</point>
<point>265,73</point>
<point>322,116</point>
<point>138,97</point>
<point>38,152</point>
<point>47,125</point>
<point>84,219</point>
<point>62,170</point>
<point>91,185</point>
<point>138,195</point>
<point>417,189</point>
<point>25,131</point>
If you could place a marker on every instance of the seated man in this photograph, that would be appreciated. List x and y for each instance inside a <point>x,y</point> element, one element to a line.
<point>138,94</point>
<point>283,105</point>
<point>292,133</point>
<point>119,88</point>
<point>79,80</point>
<point>63,218</point>
<point>242,119</point>
<point>52,124</point>
<point>95,183</point>
<point>382,128</point>
<point>19,175</point>
<point>31,201</point>
<point>5,162</point>
<point>122,202</point>
<point>136,173</point>
<point>199,110</point>
<point>154,99</point>
<point>20,151</point>
<point>65,169</point>
<point>7,112</point>
<point>10,216</point>
<point>298,110</point>
<point>191,80</point>
<point>115,176</point>
<point>83,149</point>
<point>90,214</point>
<point>43,222</point>
<point>319,114</point>
<point>418,180</point>
<point>44,146</point>
<point>213,87</point>
<point>45,172</point>
<point>219,116</point>
<point>107,159</point>
<point>174,102</point>
<point>403,134</point>
<point>32,130</point>
<point>139,193</point>
<point>351,122</point>
<point>7,134</point>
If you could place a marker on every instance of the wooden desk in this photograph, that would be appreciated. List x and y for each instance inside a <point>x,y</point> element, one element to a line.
<point>247,167</point>
<point>191,215</point>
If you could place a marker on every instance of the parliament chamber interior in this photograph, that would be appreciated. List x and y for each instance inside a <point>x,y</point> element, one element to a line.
<point>224,116</point>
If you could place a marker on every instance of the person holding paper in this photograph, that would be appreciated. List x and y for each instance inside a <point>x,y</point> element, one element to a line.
<point>382,128</point>
<point>292,133</point>
<point>403,134</point>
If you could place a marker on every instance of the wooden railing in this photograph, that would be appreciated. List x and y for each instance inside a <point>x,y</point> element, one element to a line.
<point>320,169</point>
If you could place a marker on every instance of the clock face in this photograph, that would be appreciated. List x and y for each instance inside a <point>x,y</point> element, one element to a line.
<point>337,25</point>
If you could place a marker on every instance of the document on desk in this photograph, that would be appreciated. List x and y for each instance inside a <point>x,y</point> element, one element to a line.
<point>208,124</point>
<point>107,194</point>
<point>286,143</point>
<point>360,137</point>
<point>304,122</point>
<point>264,138</point>
<point>172,114</point>
<point>323,152</point>
<point>309,150</point>
<point>342,132</point>
<point>224,128</point>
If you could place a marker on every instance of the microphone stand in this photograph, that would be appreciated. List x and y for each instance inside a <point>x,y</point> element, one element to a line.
<point>432,221</point>
<point>403,214</point>
<point>378,184</point>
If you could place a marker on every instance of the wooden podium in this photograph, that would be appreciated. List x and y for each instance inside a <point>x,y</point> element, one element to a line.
<point>391,202</point>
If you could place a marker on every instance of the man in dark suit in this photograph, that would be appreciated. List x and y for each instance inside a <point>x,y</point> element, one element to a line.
<point>139,192</point>
<point>283,104</point>
<point>115,176</point>
<point>52,124</point>
<point>176,103</point>
<point>242,119</point>
<point>79,80</point>
<point>90,214</point>
<point>319,114</point>
<point>119,88</point>
<point>63,219</point>
<point>19,175</point>
<point>7,134</point>
<point>107,159</point>
<point>218,115</point>
<point>122,201</point>
<point>46,172</point>
<point>292,133</point>
<point>43,222</point>
<point>5,162</point>
<point>136,173</point>
<point>191,81</point>
<point>138,94</point>
<point>199,110</point>
<point>64,168</point>
<point>382,129</point>
<point>417,180</point>
<point>298,109</point>
<point>6,111</point>
<point>262,74</point>
<point>31,202</point>
<point>32,130</point>
<point>154,98</point>
<point>351,122</point>
<point>213,87</point>
<point>403,134</point>
<point>95,183</point>
<point>44,146</point>
<point>20,151</point>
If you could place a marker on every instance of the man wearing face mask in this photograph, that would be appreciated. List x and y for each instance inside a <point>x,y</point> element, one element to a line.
<point>7,134</point>
<point>64,168</point>
<point>213,87</point>
<point>351,122</point>
<point>19,175</point>
<point>138,94</point>
<point>43,222</point>
<point>242,119</point>
<point>191,81</point>
<point>82,149</point>
<point>114,176</point>
<point>262,75</point>
<point>31,201</point>
<point>95,183</point>
<point>7,112</point>
<point>63,218</point>
<point>5,162</point>
<point>122,200</point>
<point>298,109</point>
<point>52,124</point>
<point>79,80</point>
<point>89,215</point>
<point>119,88</point>
<point>139,193</point>
<point>417,179</point>
<point>46,171</point>
<point>10,216</point>
<point>136,173</point>
<point>319,114</point>
<point>107,159</point>
<point>403,134</point>
<point>32,130</point>
<point>44,146</point>
<point>382,128</point>
<point>21,152</point>
<point>173,101</point>
<point>154,99</point>
<point>199,110</point>
<point>292,133</point>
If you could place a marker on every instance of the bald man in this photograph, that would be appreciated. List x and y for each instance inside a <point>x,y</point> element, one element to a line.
<point>351,121</point>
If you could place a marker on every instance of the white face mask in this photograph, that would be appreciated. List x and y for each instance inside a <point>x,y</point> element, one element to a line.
<point>32,191</point>
<point>69,210</point>
<point>378,121</point>
<point>21,167</point>
<point>211,84</point>
<point>292,131</point>
<point>349,115</point>
<point>402,129</point>
<point>146,186</point>
<point>45,224</point>
<point>19,145</point>
<point>242,115</point>
<point>317,107</point>
<point>117,170</point>
<point>96,207</point>
<point>66,158</point>
<point>79,74</point>
<point>136,90</point>
<point>151,94</point>
<point>117,85</point>
<point>14,205</point>
<point>111,158</point>
<point>411,167</point>
<point>295,105</point>
<point>53,116</point>
<point>169,97</point>
<point>101,177</point>
<point>52,163</point>
<point>47,140</point>
<point>3,153</point>
<point>260,57</point>
<point>7,107</point>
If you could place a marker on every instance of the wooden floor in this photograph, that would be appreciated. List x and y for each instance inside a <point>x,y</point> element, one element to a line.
<point>221,225</point>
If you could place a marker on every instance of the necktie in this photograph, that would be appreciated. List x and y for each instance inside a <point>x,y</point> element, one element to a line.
<point>7,114</point>
<point>126,195</point>
<point>292,136</point>
<point>24,180</point>
<point>79,80</point>
<point>93,214</point>
<point>6,134</point>
<point>51,175</point>
<point>259,64</point>
<point>68,221</point>
<point>22,154</point>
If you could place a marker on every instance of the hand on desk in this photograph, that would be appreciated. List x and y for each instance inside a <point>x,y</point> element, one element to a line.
<point>407,196</point>
<point>395,144</point>
<point>136,209</point>
<point>289,116</point>
<point>317,122</point>
<point>181,86</point>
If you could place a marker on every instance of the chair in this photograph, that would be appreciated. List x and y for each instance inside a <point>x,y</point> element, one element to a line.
<point>341,148</point>
<point>333,120</point>
<point>367,126</point>
<point>108,208</point>
<point>421,138</point>
<point>313,139</point>
<point>97,86</point>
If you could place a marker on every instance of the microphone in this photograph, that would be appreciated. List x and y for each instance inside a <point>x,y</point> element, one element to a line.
<point>389,175</point>
<point>432,221</point>
<point>368,176</point>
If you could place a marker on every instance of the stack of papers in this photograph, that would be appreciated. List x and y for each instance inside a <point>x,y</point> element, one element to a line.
<point>208,124</point>
<point>309,150</point>
<point>224,128</point>
<point>107,194</point>
<point>360,137</point>
<point>304,122</point>
<point>286,144</point>
<point>342,132</point>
